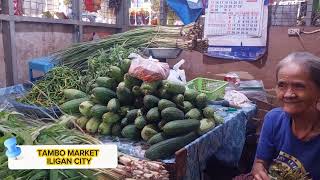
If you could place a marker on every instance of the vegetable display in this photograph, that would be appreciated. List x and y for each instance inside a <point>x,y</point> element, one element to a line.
<point>155,112</point>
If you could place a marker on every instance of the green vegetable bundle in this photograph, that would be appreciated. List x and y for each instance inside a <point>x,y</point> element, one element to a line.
<point>48,91</point>
<point>187,37</point>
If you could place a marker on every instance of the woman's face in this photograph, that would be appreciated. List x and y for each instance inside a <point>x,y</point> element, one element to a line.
<point>296,90</point>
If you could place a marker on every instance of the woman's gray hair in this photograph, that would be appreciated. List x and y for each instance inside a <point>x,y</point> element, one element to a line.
<point>308,61</point>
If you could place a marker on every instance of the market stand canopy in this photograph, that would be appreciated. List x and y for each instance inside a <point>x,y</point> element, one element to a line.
<point>187,10</point>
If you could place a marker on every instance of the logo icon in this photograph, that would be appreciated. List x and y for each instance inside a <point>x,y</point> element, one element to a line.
<point>12,150</point>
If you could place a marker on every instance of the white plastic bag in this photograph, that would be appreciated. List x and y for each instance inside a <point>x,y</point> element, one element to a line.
<point>237,99</point>
<point>177,74</point>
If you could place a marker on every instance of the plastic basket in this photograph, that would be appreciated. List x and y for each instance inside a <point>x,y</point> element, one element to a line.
<point>214,89</point>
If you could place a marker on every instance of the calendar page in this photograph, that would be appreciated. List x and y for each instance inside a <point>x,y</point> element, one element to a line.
<point>234,17</point>
<point>236,29</point>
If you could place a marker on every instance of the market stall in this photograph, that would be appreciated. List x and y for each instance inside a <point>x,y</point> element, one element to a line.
<point>109,92</point>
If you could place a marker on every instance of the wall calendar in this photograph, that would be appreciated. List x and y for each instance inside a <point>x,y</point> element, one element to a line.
<point>236,29</point>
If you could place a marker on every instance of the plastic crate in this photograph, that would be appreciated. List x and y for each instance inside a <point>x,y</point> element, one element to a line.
<point>214,89</point>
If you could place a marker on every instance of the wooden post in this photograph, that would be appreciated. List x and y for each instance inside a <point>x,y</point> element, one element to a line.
<point>120,17</point>
<point>163,13</point>
<point>124,15</point>
<point>9,46</point>
<point>77,13</point>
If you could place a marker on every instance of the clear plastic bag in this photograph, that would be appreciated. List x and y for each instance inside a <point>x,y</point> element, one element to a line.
<point>148,69</point>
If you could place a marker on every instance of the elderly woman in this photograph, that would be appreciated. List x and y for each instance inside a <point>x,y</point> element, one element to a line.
<point>290,136</point>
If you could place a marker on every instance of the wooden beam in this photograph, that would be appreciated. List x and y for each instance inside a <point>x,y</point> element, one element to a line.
<point>99,24</point>
<point>44,20</point>
<point>4,17</point>
<point>55,21</point>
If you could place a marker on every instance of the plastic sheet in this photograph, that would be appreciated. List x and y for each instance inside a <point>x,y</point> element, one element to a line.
<point>8,96</point>
<point>187,11</point>
<point>126,146</point>
<point>224,141</point>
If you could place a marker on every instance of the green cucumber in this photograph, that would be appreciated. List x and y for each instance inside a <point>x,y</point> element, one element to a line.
<point>140,122</point>
<point>124,95</point>
<point>194,114</point>
<point>98,110</point>
<point>202,101</point>
<point>125,65</point>
<point>124,122</point>
<point>106,82</point>
<point>131,81</point>
<point>149,87</point>
<point>191,95</point>
<point>132,115</point>
<point>92,125</point>
<point>71,94</point>
<point>171,113</point>
<point>85,108</point>
<point>164,103</point>
<point>178,99</point>
<point>113,105</point>
<point>205,126</point>
<point>153,115</point>
<point>124,110</point>
<point>116,73</point>
<point>174,87</point>
<point>150,101</point>
<point>131,132</point>
<point>164,94</point>
<point>72,106</point>
<point>103,95</point>
<point>168,147</point>
<point>104,128</point>
<point>157,138</point>
<point>208,112</point>
<point>111,118</point>
<point>187,106</point>
<point>136,91</point>
<point>82,121</point>
<point>147,133</point>
<point>180,127</point>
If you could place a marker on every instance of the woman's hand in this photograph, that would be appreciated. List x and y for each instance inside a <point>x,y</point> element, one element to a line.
<point>259,171</point>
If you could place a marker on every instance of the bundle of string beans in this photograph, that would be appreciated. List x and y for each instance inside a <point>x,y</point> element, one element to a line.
<point>48,91</point>
<point>188,37</point>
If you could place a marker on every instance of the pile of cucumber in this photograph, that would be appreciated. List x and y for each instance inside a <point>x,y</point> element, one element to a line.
<point>165,114</point>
